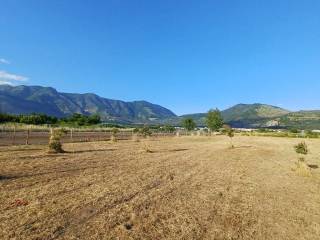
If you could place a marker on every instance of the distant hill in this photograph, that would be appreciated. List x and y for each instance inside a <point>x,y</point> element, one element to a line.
<point>259,116</point>
<point>242,115</point>
<point>301,119</point>
<point>262,115</point>
<point>253,115</point>
<point>36,99</point>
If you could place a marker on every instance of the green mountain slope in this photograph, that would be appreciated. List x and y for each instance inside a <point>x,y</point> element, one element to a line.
<point>301,119</point>
<point>258,116</point>
<point>242,116</point>
<point>29,99</point>
<point>253,115</point>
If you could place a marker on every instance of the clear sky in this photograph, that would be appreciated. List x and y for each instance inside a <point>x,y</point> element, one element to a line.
<point>186,55</point>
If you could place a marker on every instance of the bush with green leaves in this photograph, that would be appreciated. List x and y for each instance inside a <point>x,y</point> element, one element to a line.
<point>55,145</point>
<point>81,120</point>
<point>114,132</point>
<point>301,149</point>
<point>168,129</point>
<point>136,130</point>
<point>34,118</point>
<point>214,120</point>
<point>188,124</point>
<point>229,131</point>
<point>310,134</point>
<point>145,131</point>
<point>293,130</point>
<point>302,168</point>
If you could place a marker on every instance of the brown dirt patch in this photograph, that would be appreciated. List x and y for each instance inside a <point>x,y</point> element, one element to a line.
<point>186,188</point>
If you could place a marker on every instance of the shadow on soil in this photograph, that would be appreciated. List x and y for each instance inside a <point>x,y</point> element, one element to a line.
<point>91,150</point>
<point>170,150</point>
<point>67,171</point>
<point>178,150</point>
<point>20,150</point>
<point>6,177</point>
<point>313,166</point>
<point>79,151</point>
<point>242,147</point>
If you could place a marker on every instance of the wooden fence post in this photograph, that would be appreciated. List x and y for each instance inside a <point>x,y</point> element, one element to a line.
<point>71,135</point>
<point>14,135</point>
<point>28,135</point>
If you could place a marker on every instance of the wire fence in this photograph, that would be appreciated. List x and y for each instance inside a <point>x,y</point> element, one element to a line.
<point>24,136</point>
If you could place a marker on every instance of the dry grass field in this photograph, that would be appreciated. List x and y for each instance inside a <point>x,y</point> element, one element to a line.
<point>185,188</point>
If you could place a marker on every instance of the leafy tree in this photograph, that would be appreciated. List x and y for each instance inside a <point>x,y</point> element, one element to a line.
<point>135,135</point>
<point>294,130</point>
<point>7,118</point>
<point>82,120</point>
<point>136,130</point>
<point>168,128</point>
<point>111,125</point>
<point>311,134</point>
<point>214,120</point>
<point>94,119</point>
<point>145,131</point>
<point>230,133</point>
<point>34,118</point>
<point>188,124</point>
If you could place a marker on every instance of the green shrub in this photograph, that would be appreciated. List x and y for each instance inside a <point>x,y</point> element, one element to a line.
<point>136,130</point>
<point>230,133</point>
<point>301,148</point>
<point>294,130</point>
<point>311,134</point>
<point>214,120</point>
<point>188,124</point>
<point>55,145</point>
<point>114,132</point>
<point>302,167</point>
<point>168,129</point>
<point>145,131</point>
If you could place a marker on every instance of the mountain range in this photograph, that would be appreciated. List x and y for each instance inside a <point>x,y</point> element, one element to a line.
<point>47,100</point>
<point>37,99</point>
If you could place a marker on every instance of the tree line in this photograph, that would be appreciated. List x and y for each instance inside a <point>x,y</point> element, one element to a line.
<point>39,119</point>
<point>214,121</point>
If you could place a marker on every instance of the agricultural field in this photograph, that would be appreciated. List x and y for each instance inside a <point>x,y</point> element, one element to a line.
<point>170,188</point>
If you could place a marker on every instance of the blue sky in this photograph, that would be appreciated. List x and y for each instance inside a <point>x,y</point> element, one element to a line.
<point>186,55</point>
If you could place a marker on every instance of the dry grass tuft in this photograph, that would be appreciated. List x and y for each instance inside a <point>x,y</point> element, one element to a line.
<point>55,145</point>
<point>302,169</point>
<point>114,133</point>
<point>146,147</point>
<point>113,138</point>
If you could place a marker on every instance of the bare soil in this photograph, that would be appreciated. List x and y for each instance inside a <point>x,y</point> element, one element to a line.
<point>183,188</point>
